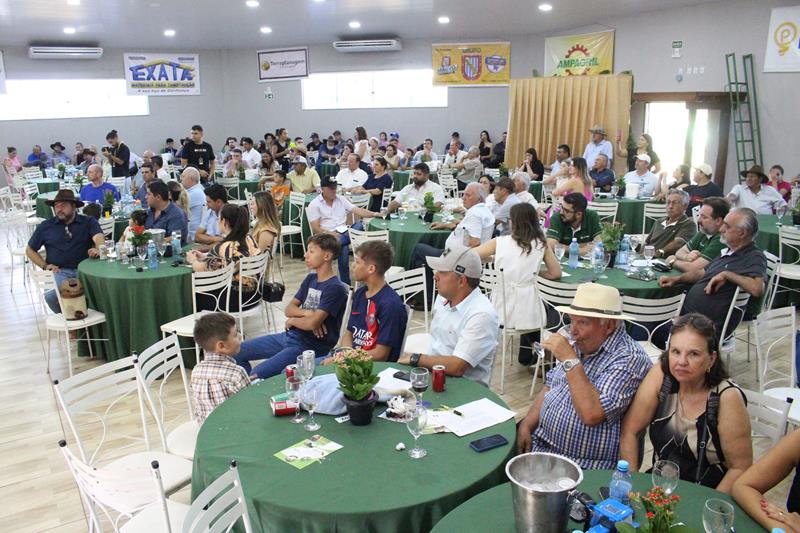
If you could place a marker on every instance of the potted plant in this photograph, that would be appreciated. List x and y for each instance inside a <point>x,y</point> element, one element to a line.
<point>659,509</point>
<point>503,169</point>
<point>139,237</point>
<point>62,169</point>
<point>619,182</point>
<point>108,202</point>
<point>356,381</point>
<point>611,235</point>
<point>430,207</point>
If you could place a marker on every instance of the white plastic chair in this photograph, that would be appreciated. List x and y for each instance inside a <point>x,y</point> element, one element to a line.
<point>32,173</point>
<point>386,198</point>
<point>768,416</point>
<point>232,188</point>
<point>737,307</point>
<point>774,329</point>
<point>107,226</point>
<point>118,182</point>
<point>494,173</point>
<point>696,216</point>
<point>361,200</point>
<point>644,311</point>
<point>297,209</point>
<point>359,237</point>
<point>409,283</point>
<point>766,302</point>
<point>551,294</point>
<point>448,183</point>
<point>18,232</point>
<point>606,211</point>
<point>653,211</point>
<point>254,268</point>
<point>409,316</point>
<point>789,246</point>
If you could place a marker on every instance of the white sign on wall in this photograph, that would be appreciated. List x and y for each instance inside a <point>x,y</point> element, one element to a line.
<point>783,41</point>
<point>156,74</point>
<point>2,74</point>
<point>287,64</point>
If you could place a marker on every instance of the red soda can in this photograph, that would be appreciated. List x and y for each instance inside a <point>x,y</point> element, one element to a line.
<point>438,378</point>
<point>290,370</point>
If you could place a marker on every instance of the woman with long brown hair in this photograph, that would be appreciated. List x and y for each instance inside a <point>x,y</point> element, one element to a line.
<point>267,223</point>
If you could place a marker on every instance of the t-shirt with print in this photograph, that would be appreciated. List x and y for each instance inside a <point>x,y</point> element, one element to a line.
<point>378,320</point>
<point>329,296</point>
<point>198,156</point>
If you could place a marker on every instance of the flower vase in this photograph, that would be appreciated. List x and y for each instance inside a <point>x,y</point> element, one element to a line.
<point>360,411</point>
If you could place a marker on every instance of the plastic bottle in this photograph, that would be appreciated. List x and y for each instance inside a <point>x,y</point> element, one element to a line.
<point>598,257</point>
<point>176,245</point>
<point>777,530</point>
<point>574,253</point>
<point>624,249</point>
<point>152,255</point>
<point>620,485</point>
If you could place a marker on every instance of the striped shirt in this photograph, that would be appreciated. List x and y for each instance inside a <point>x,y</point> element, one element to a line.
<point>615,371</point>
<point>214,380</point>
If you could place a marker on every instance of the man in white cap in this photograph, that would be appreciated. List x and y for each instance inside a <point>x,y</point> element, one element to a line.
<point>642,176</point>
<point>352,175</point>
<point>464,328</point>
<point>598,145</point>
<point>579,411</point>
<point>302,178</point>
<point>702,187</point>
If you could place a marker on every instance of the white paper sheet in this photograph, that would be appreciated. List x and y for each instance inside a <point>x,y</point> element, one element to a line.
<point>387,381</point>
<point>475,416</point>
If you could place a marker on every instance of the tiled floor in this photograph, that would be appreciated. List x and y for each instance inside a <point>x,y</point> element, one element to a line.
<point>36,490</point>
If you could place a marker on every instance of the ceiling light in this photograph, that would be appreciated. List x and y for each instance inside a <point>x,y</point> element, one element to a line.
<point>169,33</point>
<point>545,7</point>
<point>266,29</point>
<point>318,1</point>
<point>251,3</point>
<point>444,20</point>
<point>74,2</point>
<point>354,24</point>
<point>69,30</point>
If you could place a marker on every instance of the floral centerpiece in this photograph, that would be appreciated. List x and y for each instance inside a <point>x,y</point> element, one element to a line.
<point>139,236</point>
<point>354,370</point>
<point>620,184</point>
<point>62,169</point>
<point>429,204</point>
<point>79,181</point>
<point>659,508</point>
<point>503,169</point>
<point>108,202</point>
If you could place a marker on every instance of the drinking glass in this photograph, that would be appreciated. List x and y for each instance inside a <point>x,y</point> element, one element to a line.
<point>161,248</point>
<point>122,254</point>
<point>110,250</point>
<point>310,396</point>
<point>420,379</point>
<point>666,475</point>
<point>306,365</point>
<point>781,212</point>
<point>614,190</point>
<point>141,251</point>
<point>130,251</point>
<point>717,516</point>
<point>605,264</point>
<point>402,212</point>
<point>416,424</point>
<point>294,386</point>
<point>560,251</point>
<point>649,253</point>
<point>635,242</point>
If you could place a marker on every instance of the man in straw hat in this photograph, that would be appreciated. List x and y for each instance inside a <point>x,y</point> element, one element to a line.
<point>68,238</point>
<point>579,411</point>
<point>598,145</point>
<point>755,194</point>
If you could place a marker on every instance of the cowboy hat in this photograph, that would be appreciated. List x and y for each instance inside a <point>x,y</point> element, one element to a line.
<point>65,195</point>
<point>597,301</point>
<point>57,143</point>
<point>755,169</point>
<point>597,128</point>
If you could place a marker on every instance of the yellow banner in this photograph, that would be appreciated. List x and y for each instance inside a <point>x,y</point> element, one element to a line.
<point>578,55</point>
<point>471,64</point>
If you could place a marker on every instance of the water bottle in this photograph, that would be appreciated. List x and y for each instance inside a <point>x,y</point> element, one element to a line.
<point>152,255</point>
<point>777,530</point>
<point>176,244</point>
<point>620,484</point>
<point>574,253</point>
<point>624,249</point>
<point>598,256</point>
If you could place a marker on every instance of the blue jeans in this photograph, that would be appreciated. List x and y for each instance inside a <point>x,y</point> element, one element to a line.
<point>344,258</point>
<point>279,350</point>
<point>421,252</point>
<point>50,297</point>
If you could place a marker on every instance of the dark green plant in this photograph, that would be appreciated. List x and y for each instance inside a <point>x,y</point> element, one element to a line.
<point>611,235</point>
<point>429,204</point>
<point>108,201</point>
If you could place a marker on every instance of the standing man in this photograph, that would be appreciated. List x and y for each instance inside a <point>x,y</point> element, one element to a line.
<point>670,234</point>
<point>642,176</point>
<point>249,154</point>
<point>754,194</point>
<point>190,179</point>
<point>352,175</point>
<point>198,154</point>
<point>118,155</point>
<point>602,176</point>
<point>68,238</point>
<point>705,246</point>
<point>208,231</point>
<point>505,198</point>
<point>498,152</point>
<point>302,178</point>
<point>95,190</point>
<point>163,214</point>
<point>598,145</point>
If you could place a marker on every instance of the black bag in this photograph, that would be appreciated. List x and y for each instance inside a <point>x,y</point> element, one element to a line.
<point>272,291</point>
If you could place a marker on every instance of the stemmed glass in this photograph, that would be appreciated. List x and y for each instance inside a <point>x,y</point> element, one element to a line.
<point>560,251</point>
<point>666,475</point>
<point>634,245</point>
<point>401,211</point>
<point>294,386</point>
<point>649,253</point>
<point>420,379</point>
<point>130,251</point>
<point>310,396</point>
<point>781,212</point>
<point>141,251</point>
<point>717,516</point>
<point>605,265</point>
<point>161,248</point>
<point>306,364</point>
<point>416,424</point>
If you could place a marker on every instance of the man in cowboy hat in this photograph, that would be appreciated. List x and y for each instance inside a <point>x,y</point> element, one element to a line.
<point>598,145</point>
<point>579,411</point>
<point>753,194</point>
<point>68,238</point>
<point>58,155</point>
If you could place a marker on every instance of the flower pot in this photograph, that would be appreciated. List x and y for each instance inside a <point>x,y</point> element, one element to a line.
<point>360,411</point>
<point>796,219</point>
<point>428,216</point>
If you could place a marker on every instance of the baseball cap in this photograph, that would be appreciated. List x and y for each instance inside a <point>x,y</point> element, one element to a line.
<point>705,168</point>
<point>394,135</point>
<point>328,181</point>
<point>299,159</point>
<point>643,157</point>
<point>461,260</point>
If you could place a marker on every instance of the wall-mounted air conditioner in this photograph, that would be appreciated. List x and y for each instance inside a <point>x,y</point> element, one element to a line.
<point>369,45</point>
<point>64,52</point>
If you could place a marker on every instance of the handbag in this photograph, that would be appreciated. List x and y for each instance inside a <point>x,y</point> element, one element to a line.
<point>272,291</point>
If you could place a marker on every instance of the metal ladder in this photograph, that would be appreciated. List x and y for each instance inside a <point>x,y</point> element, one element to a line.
<point>744,108</point>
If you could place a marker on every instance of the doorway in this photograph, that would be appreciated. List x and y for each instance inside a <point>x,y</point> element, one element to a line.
<point>668,123</point>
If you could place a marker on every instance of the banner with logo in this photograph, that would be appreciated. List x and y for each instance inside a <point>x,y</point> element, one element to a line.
<point>783,41</point>
<point>2,74</point>
<point>157,74</point>
<point>471,64</point>
<point>578,55</point>
<point>278,65</point>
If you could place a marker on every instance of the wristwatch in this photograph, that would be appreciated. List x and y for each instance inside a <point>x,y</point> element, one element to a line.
<point>660,252</point>
<point>569,364</point>
<point>414,361</point>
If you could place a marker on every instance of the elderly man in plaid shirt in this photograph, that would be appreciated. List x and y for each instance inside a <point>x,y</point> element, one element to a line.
<point>579,411</point>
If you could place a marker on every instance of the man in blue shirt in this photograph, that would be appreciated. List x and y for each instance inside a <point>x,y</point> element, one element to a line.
<point>163,214</point>
<point>148,175</point>
<point>328,152</point>
<point>313,317</point>
<point>37,157</point>
<point>190,179</point>
<point>208,230</point>
<point>602,176</point>
<point>95,190</point>
<point>58,155</point>
<point>68,238</point>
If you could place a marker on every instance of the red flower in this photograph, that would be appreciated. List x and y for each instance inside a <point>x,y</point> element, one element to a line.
<point>138,230</point>
<point>650,514</point>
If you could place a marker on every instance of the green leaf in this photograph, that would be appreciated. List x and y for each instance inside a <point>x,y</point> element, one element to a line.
<point>625,528</point>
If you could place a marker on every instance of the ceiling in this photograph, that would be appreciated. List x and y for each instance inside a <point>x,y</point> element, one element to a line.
<point>222,24</point>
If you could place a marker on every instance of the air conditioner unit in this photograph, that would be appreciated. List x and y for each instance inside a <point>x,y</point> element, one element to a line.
<point>371,45</point>
<point>64,52</point>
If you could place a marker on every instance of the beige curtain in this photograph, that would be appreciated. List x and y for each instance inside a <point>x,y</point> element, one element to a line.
<point>546,112</point>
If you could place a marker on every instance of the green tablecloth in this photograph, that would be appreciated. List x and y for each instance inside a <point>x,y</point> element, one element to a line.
<point>136,304</point>
<point>328,169</point>
<point>617,278</point>
<point>493,511</point>
<point>536,190</point>
<point>47,185</point>
<point>405,236</point>
<point>768,238</point>
<point>365,486</point>
<point>400,179</point>
<point>43,210</point>
<point>631,213</point>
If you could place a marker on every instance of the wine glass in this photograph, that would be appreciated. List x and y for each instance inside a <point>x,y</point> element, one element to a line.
<point>294,386</point>
<point>560,251</point>
<point>310,396</point>
<point>666,475</point>
<point>614,191</point>
<point>306,364</point>
<point>420,379</point>
<point>161,248</point>
<point>635,242</point>
<point>605,263</point>
<point>122,253</point>
<point>717,516</point>
<point>649,253</point>
<point>141,251</point>
<point>130,251</point>
<point>416,423</point>
<point>781,212</point>
<point>401,211</point>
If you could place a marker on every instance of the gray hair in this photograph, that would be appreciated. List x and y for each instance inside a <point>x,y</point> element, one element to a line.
<point>749,223</point>
<point>524,177</point>
<point>474,149</point>
<point>680,192</point>
<point>479,190</point>
<point>191,173</point>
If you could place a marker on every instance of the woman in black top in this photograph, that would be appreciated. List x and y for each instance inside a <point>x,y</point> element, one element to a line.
<point>118,154</point>
<point>644,145</point>
<point>532,166</point>
<point>280,149</point>
<point>485,148</point>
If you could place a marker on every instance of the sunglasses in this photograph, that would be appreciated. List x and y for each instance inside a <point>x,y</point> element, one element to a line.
<point>67,234</point>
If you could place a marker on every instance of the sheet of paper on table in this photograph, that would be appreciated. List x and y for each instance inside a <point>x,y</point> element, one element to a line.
<point>308,451</point>
<point>387,381</point>
<point>475,416</point>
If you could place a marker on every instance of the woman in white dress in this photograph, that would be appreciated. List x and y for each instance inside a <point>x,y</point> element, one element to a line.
<point>362,144</point>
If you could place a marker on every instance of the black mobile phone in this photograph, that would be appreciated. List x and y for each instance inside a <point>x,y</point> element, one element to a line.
<point>405,376</point>
<point>603,493</point>
<point>488,443</point>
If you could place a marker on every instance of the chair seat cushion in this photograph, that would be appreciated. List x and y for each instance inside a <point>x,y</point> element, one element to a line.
<point>182,439</point>
<point>151,518</point>
<point>176,472</point>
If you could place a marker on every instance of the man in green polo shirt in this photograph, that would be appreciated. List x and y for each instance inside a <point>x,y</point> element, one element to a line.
<point>574,221</point>
<point>705,245</point>
<point>675,230</point>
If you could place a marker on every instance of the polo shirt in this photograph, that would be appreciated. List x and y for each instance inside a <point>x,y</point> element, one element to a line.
<point>170,219</point>
<point>527,198</point>
<point>197,199</point>
<point>412,193</point>
<point>329,216</point>
<point>709,246</point>
<point>478,223</point>
<point>211,223</point>
<point>62,250</point>
<point>603,178</point>
<point>763,203</point>
<point>467,331</point>
<point>563,233</point>
<point>252,157</point>
<point>662,233</point>
<point>647,182</point>
<point>90,193</point>
<point>348,179</point>
<point>378,320</point>
<point>592,150</point>
<point>305,181</point>
<point>502,212</point>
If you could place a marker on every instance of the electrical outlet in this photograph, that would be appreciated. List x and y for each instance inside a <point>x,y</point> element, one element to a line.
<point>702,70</point>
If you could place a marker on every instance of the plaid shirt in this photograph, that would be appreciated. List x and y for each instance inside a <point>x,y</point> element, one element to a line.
<point>615,371</point>
<point>215,380</point>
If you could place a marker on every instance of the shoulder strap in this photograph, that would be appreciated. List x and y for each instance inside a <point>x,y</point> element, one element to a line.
<point>666,388</point>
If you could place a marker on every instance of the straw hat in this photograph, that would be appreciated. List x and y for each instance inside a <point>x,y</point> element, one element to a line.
<point>597,128</point>
<point>597,301</point>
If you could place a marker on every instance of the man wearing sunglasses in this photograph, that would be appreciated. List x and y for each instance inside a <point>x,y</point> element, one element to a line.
<point>68,238</point>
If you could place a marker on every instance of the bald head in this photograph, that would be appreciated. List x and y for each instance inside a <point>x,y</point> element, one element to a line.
<point>190,177</point>
<point>95,173</point>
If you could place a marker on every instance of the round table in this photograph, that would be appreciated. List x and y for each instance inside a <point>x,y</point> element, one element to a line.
<point>365,486</point>
<point>135,304</point>
<point>46,184</point>
<point>617,278</point>
<point>473,516</point>
<point>630,213</point>
<point>405,236</point>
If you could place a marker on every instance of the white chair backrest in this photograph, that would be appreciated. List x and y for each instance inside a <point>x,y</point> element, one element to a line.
<point>490,280</point>
<point>773,263</point>
<point>231,185</point>
<point>31,191</point>
<point>32,173</point>
<point>360,200</point>
<point>215,284</point>
<point>449,184</point>
<point>297,206</point>
<point>222,503</point>
<point>789,238</point>
<point>775,332</point>
<point>386,198</point>
<point>107,226</point>
<point>409,283</point>
<point>768,415</point>
<point>696,215</point>
<point>553,293</point>
<point>493,172</point>
<point>409,316</point>
<point>346,316</point>
<point>737,307</point>
<point>644,311</point>
<point>359,237</point>
<point>253,268</point>
<point>605,210</point>
<point>653,211</point>
<point>117,181</point>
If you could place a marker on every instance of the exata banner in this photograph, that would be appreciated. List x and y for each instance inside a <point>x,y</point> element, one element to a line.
<point>471,64</point>
<point>579,55</point>
<point>155,74</point>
